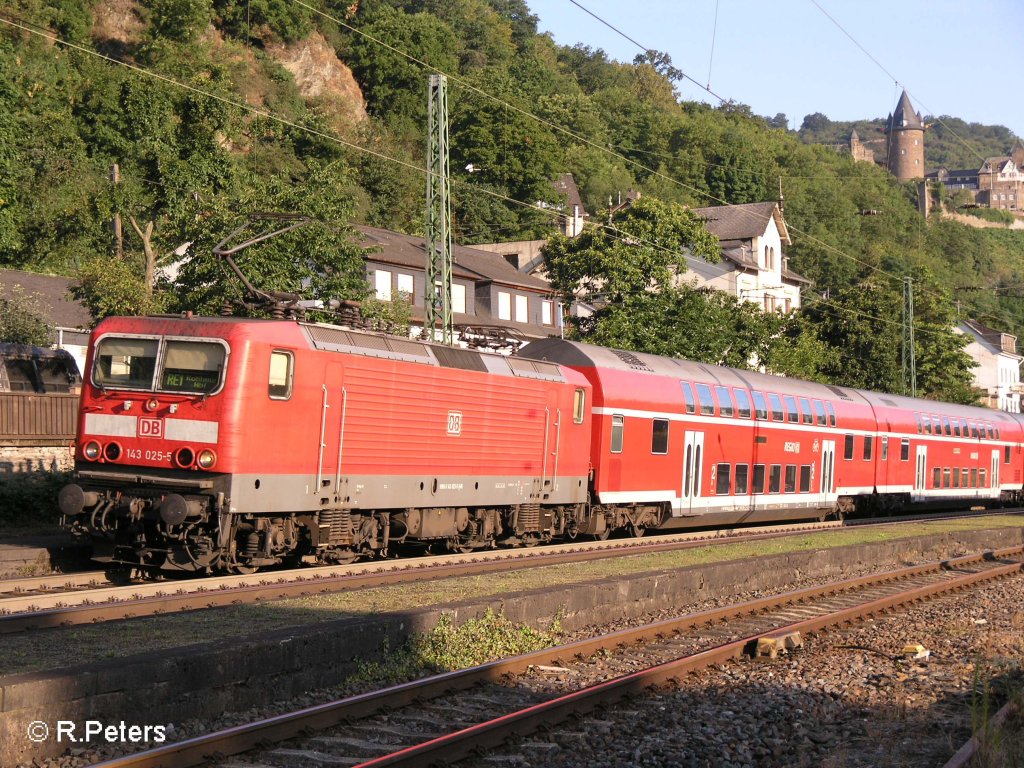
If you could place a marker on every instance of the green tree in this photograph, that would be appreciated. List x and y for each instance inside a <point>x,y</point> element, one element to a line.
<point>22,319</point>
<point>110,286</point>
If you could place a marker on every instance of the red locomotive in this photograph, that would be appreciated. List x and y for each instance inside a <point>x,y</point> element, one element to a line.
<point>230,444</point>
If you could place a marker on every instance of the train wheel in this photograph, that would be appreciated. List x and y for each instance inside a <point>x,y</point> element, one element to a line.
<point>119,574</point>
<point>603,535</point>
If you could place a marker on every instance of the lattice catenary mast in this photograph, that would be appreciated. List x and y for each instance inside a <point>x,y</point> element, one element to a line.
<point>437,292</point>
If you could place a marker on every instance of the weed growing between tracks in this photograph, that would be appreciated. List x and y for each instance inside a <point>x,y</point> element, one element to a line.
<point>448,647</point>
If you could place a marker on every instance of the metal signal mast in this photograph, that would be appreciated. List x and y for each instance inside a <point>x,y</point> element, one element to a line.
<point>909,364</point>
<point>437,293</point>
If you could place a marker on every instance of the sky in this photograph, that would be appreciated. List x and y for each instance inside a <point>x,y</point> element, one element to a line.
<point>954,57</point>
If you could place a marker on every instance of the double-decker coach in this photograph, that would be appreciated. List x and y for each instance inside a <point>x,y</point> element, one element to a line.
<point>677,443</point>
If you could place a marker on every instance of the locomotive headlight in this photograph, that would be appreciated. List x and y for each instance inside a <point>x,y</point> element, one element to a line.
<point>91,450</point>
<point>112,452</point>
<point>206,459</point>
<point>152,404</point>
<point>184,457</point>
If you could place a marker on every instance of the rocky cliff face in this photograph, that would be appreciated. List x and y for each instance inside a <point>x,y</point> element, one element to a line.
<point>322,78</point>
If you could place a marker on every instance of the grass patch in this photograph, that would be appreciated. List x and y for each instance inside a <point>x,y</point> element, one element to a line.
<point>449,647</point>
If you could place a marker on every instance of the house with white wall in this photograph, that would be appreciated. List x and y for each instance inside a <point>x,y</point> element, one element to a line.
<point>754,266</point>
<point>996,365</point>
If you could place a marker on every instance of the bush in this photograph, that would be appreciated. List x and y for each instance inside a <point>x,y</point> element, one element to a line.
<point>991,214</point>
<point>28,501</point>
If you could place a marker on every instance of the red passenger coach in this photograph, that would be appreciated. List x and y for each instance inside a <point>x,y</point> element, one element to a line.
<point>208,443</point>
<point>677,443</point>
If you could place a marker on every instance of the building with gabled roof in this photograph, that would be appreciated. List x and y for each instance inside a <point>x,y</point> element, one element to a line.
<point>68,318</point>
<point>487,291</point>
<point>996,364</point>
<point>754,266</point>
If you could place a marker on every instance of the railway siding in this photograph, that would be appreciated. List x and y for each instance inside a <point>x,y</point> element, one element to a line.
<point>209,679</point>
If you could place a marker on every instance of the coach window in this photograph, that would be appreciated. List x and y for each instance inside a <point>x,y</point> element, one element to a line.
<point>974,431</point>
<point>805,478</point>
<point>991,432</point>
<point>920,427</point>
<point>724,481</point>
<point>790,478</point>
<point>659,436</point>
<point>758,485</point>
<point>707,403</point>
<point>947,429</point>
<point>945,477</point>
<point>937,424</point>
<point>691,404</point>
<point>831,414</point>
<point>956,428</point>
<point>282,370</point>
<point>805,411</point>
<point>965,478</point>
<point>936,477</point>
<point>741,479</point>
<point>963,428</point>
<point>974,477</point>
<point>1006,454</point>
<point>927,425</point>
<point>956,477</point>
<point>869,442</point>
<point>742,403</point>
<point>848,447</point>
<point>819,413</point>
<point>791,412</point>
<point>760,406</point>
<point>774,478</point>
<point>982,483</point>
<point>579,400</point>
<point>776,402</point>
<point>885,449</point>
<point>724,401</point>
<point>618,423</point>
<point>905,449</point>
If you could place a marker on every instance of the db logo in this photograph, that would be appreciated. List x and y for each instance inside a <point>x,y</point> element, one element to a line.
<point>151,428</point>
<point>454,422</point>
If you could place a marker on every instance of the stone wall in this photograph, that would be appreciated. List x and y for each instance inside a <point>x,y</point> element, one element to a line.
<point>27,460</point>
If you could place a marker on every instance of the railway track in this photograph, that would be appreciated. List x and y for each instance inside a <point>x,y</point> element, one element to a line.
<point>87,598</point>
<point>452,715</point>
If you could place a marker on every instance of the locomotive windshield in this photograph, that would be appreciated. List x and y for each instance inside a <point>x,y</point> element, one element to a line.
<point>162,365</point>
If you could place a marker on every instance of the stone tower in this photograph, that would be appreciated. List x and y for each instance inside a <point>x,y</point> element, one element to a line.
<point>904,132</point>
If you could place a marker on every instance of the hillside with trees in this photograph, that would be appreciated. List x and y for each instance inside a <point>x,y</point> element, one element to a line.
<point>214,109</point>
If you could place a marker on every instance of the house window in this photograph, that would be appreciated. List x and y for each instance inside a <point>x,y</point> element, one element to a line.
<point>546,315</point>
<point>504,306</point>
<point>382,284</point>
<point>522,310</point>
<point>405,284</point>
<point>458,298</point>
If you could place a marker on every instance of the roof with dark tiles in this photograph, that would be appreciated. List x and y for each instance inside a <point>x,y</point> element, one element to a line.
<point>53,293</point>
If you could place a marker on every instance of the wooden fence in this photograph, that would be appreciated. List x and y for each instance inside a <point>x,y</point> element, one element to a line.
<point>29,419</point>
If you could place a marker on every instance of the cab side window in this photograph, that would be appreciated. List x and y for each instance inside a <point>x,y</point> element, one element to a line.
<point>282,373</point>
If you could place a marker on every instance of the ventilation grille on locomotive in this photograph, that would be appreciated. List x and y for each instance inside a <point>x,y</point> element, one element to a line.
<point>535,369</point>
<point>339,340</point>
<point>452,357</point>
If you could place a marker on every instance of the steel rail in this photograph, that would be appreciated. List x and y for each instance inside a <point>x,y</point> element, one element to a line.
<point>45,611</point>
<point>241,738</point>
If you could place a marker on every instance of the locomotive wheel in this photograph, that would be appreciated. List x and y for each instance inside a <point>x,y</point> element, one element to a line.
<point>603,535</point>
<point>119,574</point>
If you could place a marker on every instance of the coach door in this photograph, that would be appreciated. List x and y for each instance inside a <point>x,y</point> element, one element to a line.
<point>921,471</point>
<point>828,468</point>
<point>994,475</point>
<point>693,464</point>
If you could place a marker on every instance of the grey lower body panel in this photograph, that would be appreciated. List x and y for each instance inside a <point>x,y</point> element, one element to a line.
<point>297,493</point>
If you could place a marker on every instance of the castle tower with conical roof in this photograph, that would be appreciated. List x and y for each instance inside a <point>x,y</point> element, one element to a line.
<point>905,133</point>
